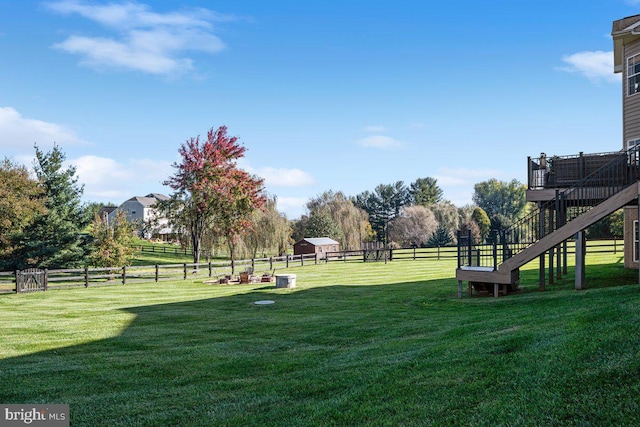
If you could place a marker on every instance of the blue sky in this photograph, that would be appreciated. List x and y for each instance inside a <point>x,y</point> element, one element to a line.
<point>331,95</point>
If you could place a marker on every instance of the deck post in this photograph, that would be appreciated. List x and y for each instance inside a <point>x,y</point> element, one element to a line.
<point>564,244</point>
<point>559,262</point>
<point>581,248</point>
<point>559,223</point>
<point>542,278</point>
<point>552,255</point>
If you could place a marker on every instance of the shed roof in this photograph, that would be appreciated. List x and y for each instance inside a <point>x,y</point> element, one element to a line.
<point>319,241</point>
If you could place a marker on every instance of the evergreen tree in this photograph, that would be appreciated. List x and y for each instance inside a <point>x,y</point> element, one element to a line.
<point>55,239</point>
<point>425,191</point>
<point>441,237</point>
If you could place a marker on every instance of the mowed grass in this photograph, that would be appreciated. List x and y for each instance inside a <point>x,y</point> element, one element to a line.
<point>354,344</point>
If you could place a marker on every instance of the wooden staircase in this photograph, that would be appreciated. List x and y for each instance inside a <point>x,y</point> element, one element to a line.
<point>593,198</point>
<point>503,274</point>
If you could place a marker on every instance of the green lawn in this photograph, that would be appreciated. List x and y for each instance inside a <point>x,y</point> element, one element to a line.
<point>354,344</point>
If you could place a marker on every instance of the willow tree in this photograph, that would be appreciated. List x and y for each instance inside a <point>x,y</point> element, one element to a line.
<point>271,231</point>
<point>211,194</point>
<point>352,222</point>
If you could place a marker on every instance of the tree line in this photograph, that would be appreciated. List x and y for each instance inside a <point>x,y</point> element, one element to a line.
<point>215,204</point>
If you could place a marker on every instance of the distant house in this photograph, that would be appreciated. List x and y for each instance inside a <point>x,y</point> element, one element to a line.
<point>142,211</point>
<point>316,245</point>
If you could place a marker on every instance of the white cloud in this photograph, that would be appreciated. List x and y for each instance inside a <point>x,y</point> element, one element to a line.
<point>17,131</point>
<point>144,40</point>
<point>106,179</point>
<point>596,65</point>
<point>293,207</point>
<point>379,141</point>
<point>281,177</point>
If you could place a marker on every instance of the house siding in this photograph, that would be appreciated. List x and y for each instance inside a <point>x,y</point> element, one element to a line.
<point>630,104</point>
<point>630,215</point>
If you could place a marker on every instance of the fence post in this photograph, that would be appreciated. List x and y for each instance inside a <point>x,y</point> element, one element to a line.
<point>469,247</point>
<point>287,261</point>
<point>364,255</point>
<point>210,269</point>
<point>124,275</point>
<point>414,252</point>
<point>344,255</point>
<point>157,272</point>
<point>459,251</point>
<point>316,260</point>
<point>438,252</point>
<point>86,277</point>
<point>495,249</point>
<point>302,260</point>
<point>233,267</point>
<point>253,264</point>
<point>185,271</point>
<point>271,262</point>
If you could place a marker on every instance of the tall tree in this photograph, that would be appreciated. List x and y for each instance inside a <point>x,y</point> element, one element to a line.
<point>351,220</point>
<point>383,205</point>
<point>414,226</point>
<point>321,224</point>
<point>20,203</point>
<point>55,239</point>
<point>211,192</point>
<point>425,191</point>
<point>447,216</point>
<point>504,202</point>
<point>482,220</point>
<point>270,232</point>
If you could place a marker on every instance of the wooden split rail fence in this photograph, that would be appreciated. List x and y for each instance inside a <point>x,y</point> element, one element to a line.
<point>78,277</point>
<point>86,277</point>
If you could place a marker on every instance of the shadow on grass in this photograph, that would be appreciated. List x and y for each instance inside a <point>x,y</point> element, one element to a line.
<point>407,353</point>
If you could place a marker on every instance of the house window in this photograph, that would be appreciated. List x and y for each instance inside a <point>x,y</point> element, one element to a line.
<point>633,75</point>
<point>633,148</point>
<point>636,241</point>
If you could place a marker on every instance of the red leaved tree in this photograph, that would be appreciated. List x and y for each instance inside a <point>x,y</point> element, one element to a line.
<point>211,193</point>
